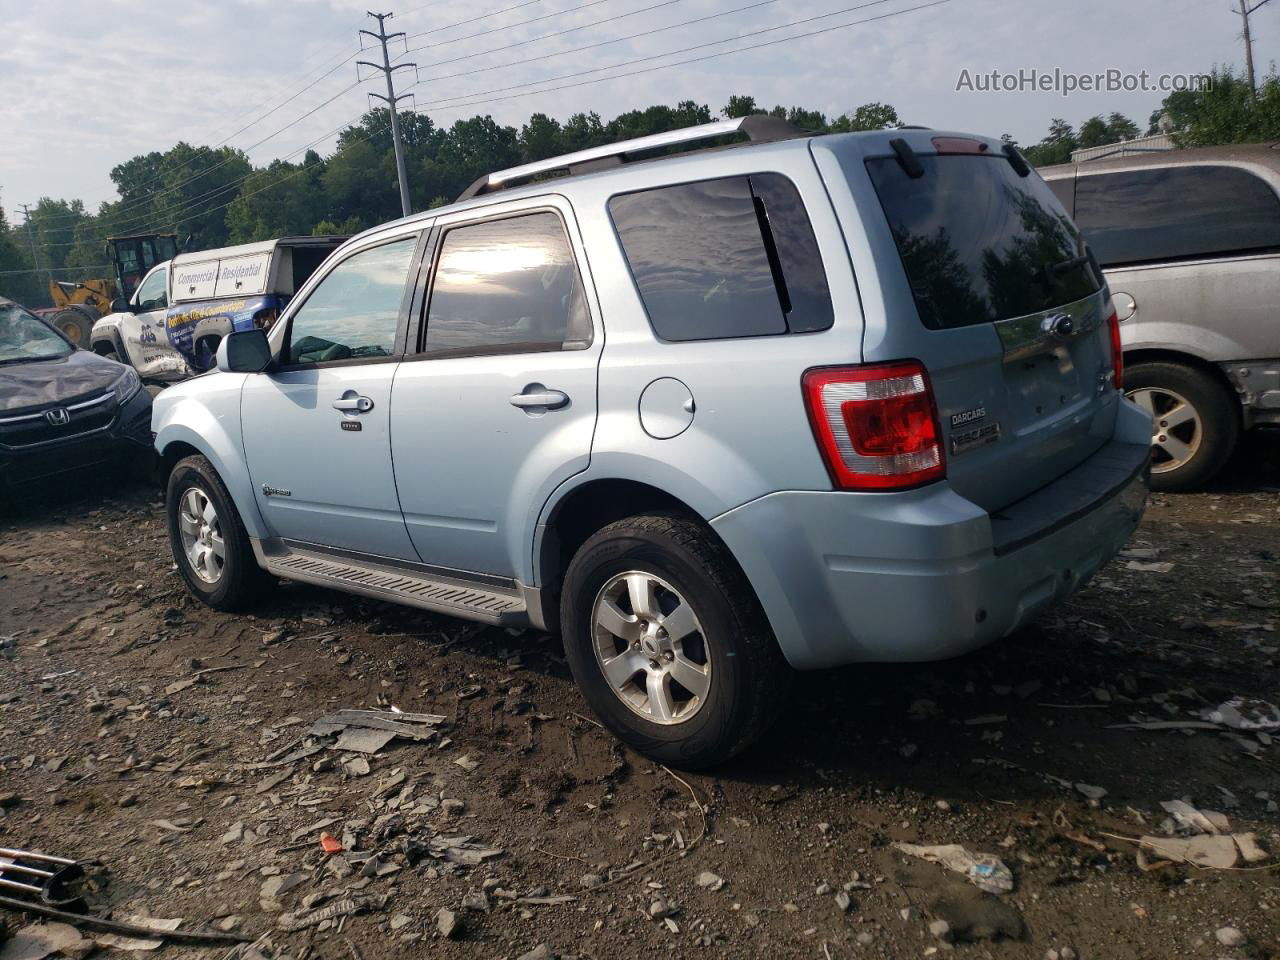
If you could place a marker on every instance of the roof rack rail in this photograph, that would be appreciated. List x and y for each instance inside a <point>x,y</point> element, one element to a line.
<point>759,128</point>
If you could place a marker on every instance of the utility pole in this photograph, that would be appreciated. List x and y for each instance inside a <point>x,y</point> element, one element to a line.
<point>1245,12</point>
<point>392,100</point>
<point>31,237</point>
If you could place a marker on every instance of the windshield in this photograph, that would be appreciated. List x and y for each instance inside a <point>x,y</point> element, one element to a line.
<point>979,243</point>
<point>25,337</point>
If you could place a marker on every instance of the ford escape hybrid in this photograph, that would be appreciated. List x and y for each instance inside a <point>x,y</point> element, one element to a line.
<point>804,401</point>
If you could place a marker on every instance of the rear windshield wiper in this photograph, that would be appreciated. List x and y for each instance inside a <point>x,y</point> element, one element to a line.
<point>1017,160</point>
<point>1050,272</point>
<point>907,158</point>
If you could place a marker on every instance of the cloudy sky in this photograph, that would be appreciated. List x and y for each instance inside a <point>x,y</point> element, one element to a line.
<point>86,84</point>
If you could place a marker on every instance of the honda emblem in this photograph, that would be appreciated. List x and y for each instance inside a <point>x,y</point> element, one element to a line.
<point>58,416</point>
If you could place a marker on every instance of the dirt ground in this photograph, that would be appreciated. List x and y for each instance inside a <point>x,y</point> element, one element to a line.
<point>1020,751</point>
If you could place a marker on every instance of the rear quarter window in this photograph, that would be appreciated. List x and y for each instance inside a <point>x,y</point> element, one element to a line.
<point>723,258</point>
<point>1176,213</point>
<point>978,242</point>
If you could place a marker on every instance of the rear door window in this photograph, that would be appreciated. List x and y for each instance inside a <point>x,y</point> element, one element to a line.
<point>507,286</point>
<point>732,257</point>
<point>978,242</point>
<point>1176,213</point>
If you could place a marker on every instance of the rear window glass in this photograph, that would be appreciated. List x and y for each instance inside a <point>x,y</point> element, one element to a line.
<point>507,285</point>
<point>1177,212</point>
<point>979,243</point>
<point>732,257</point>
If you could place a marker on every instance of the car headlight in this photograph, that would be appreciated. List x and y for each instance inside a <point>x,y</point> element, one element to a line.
<point>125,387</point>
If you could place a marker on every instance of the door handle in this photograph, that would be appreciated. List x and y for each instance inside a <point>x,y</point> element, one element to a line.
<point>353,404</point>
<point>548,399</point>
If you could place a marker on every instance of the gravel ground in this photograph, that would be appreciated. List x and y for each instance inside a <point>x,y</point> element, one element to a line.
<point>114,745</point>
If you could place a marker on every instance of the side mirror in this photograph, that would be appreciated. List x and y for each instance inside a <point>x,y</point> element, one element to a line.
<point>120,305</point>
<point>245,352</point>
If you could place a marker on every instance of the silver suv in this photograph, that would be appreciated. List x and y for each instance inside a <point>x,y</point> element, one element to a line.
<point>1190,243</point>
<point>802,402</point>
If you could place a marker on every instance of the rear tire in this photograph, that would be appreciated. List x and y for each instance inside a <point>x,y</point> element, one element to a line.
<point>718,643</point>
<point>1196,422</point>
<point>203,520</point>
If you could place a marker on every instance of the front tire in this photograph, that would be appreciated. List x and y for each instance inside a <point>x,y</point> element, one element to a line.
<point>208,539</point>
<point>75,325</point>
<point>667,641</point>
<point>1196,423</point>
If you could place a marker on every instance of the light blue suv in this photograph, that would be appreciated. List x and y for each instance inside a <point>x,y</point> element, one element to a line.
<point>801,402</point>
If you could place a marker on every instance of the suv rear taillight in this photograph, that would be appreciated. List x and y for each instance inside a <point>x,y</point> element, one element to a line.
<point>1117,351</point>
<point>876,425</point>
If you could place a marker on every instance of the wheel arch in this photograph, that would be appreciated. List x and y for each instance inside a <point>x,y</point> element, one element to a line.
<point>1192,362</point>
<point>586,508</point>
<point>177,439</point>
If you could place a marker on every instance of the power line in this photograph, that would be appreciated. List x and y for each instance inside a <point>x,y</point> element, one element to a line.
<point>160,219</point>
<point>153,195</point>
<point>501,27</point>
<point>584,26</point>
<point>768,43</point>
<point>305,78</point>
<point>154,216</point>
<point>96,266</point>
<point>156,178</point>
<point>602,43</point>
<point>140,201</point>
<point>446,101</point>
<point>462,23</point>
<point>449,104</point>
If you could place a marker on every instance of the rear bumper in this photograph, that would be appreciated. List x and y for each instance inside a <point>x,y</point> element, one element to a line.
<point>926,574</point>
<point>127,436</point>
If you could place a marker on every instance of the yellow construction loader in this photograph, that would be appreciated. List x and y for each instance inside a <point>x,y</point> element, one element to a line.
<point>78,305</point>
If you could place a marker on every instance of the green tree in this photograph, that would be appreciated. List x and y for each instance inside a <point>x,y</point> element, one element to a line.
<point>1094,133</point>
<point>1056,147</point>
<point>869,116</point>
<point>540,138</point>
<point>740,106</point>
<point>1120,127</point>
<point>283,199</point>
<point>15,260</point>
<point>1226,112</point>
<point>186,190</point>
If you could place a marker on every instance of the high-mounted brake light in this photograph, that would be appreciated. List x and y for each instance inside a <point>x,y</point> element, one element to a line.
<point>959,145</point>
<point>876,425</point>
<point>1117,351</point>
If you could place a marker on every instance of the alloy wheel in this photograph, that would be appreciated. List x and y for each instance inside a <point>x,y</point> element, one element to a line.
<point>1176,429</point>
<point>650,647</point>
<point>201,532</point>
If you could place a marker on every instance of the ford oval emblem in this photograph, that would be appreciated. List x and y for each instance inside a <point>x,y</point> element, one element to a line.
<point>1058,325</point>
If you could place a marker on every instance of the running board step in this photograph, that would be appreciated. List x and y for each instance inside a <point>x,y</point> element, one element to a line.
<point>453,597</point>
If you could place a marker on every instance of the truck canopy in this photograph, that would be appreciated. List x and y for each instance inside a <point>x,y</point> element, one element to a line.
<point>271,266</point>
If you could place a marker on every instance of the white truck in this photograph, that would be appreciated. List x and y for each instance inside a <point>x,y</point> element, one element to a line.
<point>171,327</point>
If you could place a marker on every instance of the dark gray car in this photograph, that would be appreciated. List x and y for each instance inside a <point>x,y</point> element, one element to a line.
<point>62,408</point>
<point>1189,241</point>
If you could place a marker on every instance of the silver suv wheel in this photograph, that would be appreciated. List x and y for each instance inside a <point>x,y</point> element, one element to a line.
<point>201,531</point>
<point>650,646</point>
